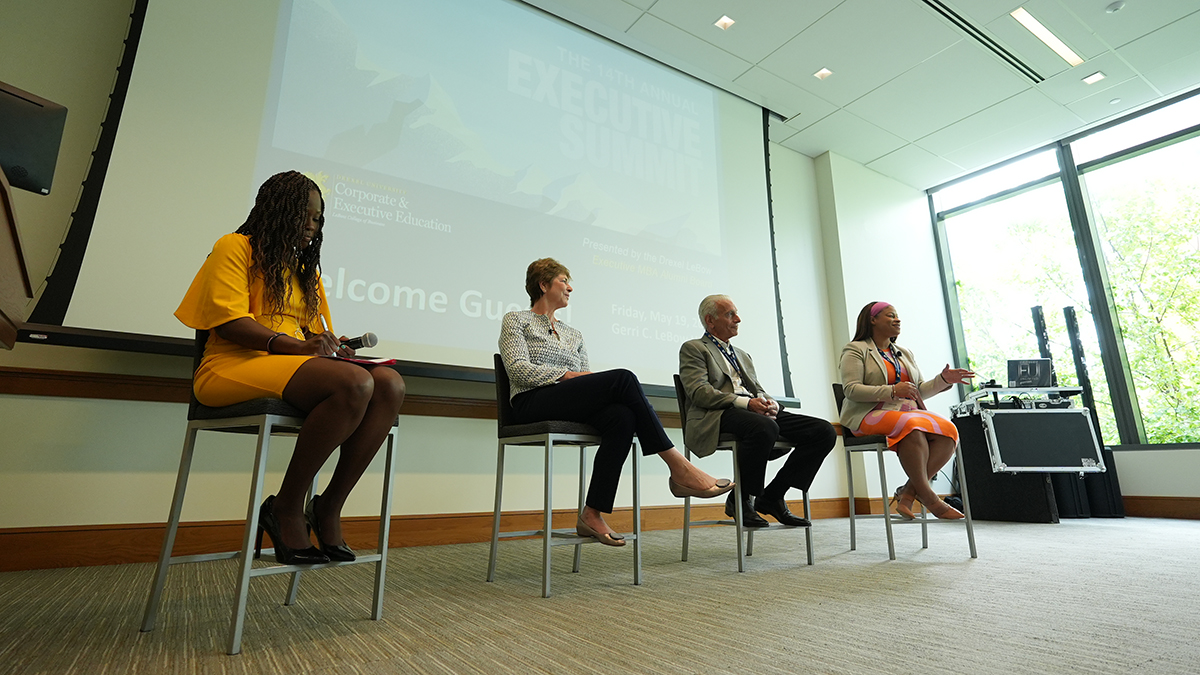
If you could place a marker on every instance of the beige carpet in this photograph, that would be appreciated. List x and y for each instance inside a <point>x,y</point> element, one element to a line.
<point>1085,596</point>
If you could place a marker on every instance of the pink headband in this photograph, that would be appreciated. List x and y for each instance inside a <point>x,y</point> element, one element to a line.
<point>879,307</point>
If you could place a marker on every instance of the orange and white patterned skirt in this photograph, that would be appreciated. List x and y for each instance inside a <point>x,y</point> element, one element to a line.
<point>896,424</point>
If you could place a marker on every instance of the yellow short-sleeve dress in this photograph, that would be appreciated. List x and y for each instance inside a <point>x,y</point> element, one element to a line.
<point>224,289</point>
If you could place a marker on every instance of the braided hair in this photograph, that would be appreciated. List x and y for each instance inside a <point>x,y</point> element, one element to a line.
<point>275,227</point>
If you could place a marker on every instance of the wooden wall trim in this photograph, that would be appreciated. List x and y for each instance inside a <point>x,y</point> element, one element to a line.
<point>1187,508</point>
<point>86,545</point>
<point>80,384</point>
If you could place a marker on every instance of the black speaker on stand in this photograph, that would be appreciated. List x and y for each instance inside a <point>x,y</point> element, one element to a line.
<point>1102,491</point>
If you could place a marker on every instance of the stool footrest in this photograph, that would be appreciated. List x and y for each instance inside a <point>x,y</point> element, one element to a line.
<point>563,537</point>
<point>286,569</point>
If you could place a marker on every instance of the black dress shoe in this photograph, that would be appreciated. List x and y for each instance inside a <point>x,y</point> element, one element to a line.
<point>283,555</point>
<point>778,509</point>
<point>338,552</point>
<point>749,517</point>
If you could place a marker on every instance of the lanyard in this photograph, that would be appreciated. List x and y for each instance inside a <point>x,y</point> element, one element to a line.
<point>887,356</point>
<point>730,355</point>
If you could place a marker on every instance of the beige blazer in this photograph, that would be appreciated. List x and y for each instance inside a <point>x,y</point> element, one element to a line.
<point>865,383</point>
<point>710,391</point>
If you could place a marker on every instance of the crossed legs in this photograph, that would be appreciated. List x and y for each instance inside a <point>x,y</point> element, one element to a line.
<point>613,402</point>
<point>922,455</point>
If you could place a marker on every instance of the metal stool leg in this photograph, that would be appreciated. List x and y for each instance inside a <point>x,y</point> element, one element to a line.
<point>737,510</point>
<point>687,513</point>
<point>385,526</point>
<point>808,537</point>
<point>887,516</point>
<point>582,489</point>
<point>637,516</point>
<point>491,575</point>
<point>164,558</point>
<point>962,486</point>
<point>294,587</point>
<point>850,495</point>
<point>547,517</point>
<point>243,584</point>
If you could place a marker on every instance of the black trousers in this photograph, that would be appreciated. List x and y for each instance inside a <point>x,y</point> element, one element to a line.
<point>614,403</point>
<point>812,436</point>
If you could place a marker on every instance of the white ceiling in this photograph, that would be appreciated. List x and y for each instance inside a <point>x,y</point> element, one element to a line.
<point>912,96</point>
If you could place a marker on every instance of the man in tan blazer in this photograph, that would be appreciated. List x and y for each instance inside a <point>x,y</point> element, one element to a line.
<point>725,396</point>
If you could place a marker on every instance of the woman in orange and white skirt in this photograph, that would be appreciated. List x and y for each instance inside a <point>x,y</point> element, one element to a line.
<point>885,395</point>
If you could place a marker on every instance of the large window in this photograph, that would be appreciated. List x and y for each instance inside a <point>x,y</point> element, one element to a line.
<point>1010,256</point>
<point>1113,233</point>
<point>1147,213</point>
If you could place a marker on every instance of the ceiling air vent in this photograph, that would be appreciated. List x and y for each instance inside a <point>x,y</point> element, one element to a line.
<point>984,39</point>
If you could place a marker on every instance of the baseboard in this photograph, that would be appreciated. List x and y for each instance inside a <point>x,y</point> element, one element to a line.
<point>1187,508</point>
<point>86,545</point>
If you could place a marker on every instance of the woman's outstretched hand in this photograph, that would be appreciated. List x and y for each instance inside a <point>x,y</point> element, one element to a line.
<point>956,375</point>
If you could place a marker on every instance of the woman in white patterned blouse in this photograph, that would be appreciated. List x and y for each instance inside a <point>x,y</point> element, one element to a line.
<point>547,364</point>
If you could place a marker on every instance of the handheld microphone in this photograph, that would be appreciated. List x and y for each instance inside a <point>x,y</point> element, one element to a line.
<point>366,340</point>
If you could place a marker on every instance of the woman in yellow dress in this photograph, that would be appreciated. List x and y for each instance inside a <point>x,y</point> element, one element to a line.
<point>885,395</point>
<point>259,294</point>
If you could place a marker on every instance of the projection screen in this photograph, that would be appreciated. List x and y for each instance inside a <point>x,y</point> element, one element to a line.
<point>454,143</point>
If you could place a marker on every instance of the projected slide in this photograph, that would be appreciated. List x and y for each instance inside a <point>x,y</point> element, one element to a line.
<point>456,142</point>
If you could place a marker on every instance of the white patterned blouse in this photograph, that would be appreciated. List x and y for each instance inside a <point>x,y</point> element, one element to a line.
<point>534,355</point>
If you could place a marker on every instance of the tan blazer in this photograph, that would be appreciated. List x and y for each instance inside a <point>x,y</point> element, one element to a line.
<point>710,391</point>
<point>865,383</point>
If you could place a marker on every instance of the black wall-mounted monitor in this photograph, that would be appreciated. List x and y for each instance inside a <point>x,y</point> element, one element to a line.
<point>31,130</point>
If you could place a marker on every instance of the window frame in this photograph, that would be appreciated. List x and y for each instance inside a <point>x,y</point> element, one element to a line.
<point>1132,434</point>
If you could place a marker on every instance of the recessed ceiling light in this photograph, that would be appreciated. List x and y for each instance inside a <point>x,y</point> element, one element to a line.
<point>1042,33</point>
<point>724,23</point>
<point>1094,77</point>
<point>822,73</point>
<point>1115,7</point>
<point>1114,101</point>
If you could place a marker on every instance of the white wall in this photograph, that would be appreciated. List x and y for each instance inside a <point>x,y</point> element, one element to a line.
<point>1160,473</point>
<point>67,54</point>
<point>879,245</point>
<point>804,299</point>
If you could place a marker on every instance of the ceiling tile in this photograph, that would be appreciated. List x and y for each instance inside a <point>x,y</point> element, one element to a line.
<point>865,43</point>
<point>696,53</point>
<point>916,167</point>
<point>1176,76</point>
<point>615,14</point>
<point>939,92</point>
<point>1165,45</point>
<point>1137,18</point>
<point>998,118</point>
<point>785,98</point>
<point>643,4</point>
<point>846,135</point>
<point>779,132</point>
<point>1029,134</point>
<point>760,27</point>
<point>1069,86</point>
<point>1132,93</point>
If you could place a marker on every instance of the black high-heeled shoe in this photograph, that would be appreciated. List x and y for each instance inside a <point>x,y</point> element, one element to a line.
<point>284,555</point>
<point>339,552</point>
